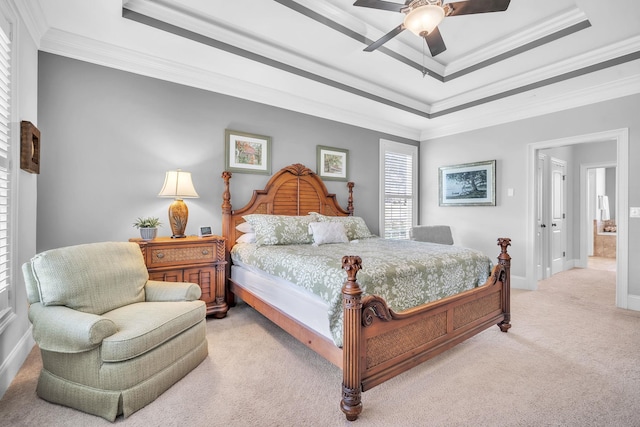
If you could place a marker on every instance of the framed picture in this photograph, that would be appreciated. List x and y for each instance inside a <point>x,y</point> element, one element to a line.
<point>29,147</point>
<point>470,184</point>
<point>247,153</point>
<point>332,163</point>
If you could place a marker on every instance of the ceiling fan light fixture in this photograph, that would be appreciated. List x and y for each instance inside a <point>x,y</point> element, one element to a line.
<point>424,19</point>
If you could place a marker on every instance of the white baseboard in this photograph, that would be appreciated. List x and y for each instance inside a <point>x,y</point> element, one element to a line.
<point>519,282</point>
<point>13,363</point>
<point>633,302</point>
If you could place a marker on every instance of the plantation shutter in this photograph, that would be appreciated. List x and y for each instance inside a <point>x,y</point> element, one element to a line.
<point>399,189</point>
<point>5,175</point>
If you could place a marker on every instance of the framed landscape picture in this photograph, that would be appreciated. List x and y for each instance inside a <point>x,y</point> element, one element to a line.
<point>332,163</point>
<point>247,153</point>
<point>470,184</point>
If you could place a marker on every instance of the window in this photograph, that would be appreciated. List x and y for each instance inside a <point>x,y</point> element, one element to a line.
<point>5,172</point>
<point>399,189</point>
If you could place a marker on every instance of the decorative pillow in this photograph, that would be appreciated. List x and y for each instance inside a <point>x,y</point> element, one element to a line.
<point>280,229</point>
<point>247,238</point>
<point>328,232</point>
<point>245,227</point>
<point>355,226</point>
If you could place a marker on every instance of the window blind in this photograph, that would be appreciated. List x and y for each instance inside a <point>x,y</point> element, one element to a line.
<point>5,171</point>
<point>399,189</point>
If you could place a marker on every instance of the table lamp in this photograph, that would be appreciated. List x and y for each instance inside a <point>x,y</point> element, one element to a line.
<point>177,184</point>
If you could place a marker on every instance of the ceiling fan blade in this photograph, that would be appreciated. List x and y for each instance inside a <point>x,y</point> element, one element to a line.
<point>435,42</point>
<point>477,6</point>
<point>380,4</point>
<point>382,40</point>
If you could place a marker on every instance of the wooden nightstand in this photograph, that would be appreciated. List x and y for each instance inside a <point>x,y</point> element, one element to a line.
<point>191,259</point>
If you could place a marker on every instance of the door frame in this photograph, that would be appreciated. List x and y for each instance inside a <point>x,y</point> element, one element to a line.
<point>621,136</point>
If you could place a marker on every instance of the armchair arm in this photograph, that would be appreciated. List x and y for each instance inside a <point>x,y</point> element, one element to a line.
<point>64,330</point>
<point>156,290</point>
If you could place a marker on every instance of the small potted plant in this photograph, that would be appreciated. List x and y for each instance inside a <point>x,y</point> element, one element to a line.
<point>148,227</point>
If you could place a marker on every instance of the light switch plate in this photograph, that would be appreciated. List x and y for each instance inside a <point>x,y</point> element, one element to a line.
<point>634,212</point>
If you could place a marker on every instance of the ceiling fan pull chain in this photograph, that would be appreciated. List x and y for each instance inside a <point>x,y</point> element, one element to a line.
<point>424,68</point>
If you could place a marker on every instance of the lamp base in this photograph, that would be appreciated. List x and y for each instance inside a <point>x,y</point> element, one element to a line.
<point>178,216</point>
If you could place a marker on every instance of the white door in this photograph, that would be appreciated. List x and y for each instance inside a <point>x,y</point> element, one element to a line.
<point>541,235</point>
<point>558,215</point>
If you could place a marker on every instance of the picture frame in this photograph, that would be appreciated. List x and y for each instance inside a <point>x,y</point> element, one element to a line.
<point>205,230</point>
<point>247,152</point>
<point>332,163</point>
<point>469,184</point>
<point>29,147</point>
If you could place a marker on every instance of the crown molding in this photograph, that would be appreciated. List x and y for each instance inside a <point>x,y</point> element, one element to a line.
<point>100,53</point>
<point>537,107</point>
<point>31,14</point>
<point>542,74</point>
<point>552,25</point>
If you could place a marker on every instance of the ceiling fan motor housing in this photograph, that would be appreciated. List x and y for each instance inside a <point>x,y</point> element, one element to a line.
<point>423,16</point>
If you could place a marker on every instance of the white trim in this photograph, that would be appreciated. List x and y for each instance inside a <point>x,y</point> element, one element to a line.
<point>410,150</point>
<point>518,282</point>
<point>633,302</point>
<point>621,136</point>
<point>491,114</point>
<point>551,24</point>
<point>10,367</point>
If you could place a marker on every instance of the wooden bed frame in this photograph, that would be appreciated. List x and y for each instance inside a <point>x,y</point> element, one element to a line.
<point>378,343</point>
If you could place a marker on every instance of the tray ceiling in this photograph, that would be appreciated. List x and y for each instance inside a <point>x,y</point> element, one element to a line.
<point>307,55</point>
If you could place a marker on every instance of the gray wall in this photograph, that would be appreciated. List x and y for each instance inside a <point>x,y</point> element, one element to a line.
<point>109,136</point>
<point>479,226</point>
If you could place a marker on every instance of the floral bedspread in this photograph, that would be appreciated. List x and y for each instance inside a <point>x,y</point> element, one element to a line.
<point>404,273</point>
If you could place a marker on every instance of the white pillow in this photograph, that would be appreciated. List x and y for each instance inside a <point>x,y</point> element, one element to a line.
<point>245,227</point>
<point>247,238</point>
<point>328,232</point>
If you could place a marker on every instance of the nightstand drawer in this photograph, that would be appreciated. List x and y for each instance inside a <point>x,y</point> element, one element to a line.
<point>181,255</point>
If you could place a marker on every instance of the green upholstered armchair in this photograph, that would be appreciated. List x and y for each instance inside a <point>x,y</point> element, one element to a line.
<point>111,339</point>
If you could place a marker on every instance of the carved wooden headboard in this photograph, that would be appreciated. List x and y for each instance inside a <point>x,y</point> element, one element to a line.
<point>294,190</point>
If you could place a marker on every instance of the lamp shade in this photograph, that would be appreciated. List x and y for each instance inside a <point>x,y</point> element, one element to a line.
<point>424,19</point>
<point>177,184</point>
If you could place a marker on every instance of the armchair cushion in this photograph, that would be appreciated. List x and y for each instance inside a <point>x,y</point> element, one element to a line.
<point>97,277</point>
<point>144,326</point>
<point>65,330</point>
<point>171,291</point>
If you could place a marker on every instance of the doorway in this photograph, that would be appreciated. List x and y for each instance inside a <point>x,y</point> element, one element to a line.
<point>621,139</point>
<point>601,224</point>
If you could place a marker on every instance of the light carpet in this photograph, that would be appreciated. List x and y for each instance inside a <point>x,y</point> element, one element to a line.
<point>570,359</point>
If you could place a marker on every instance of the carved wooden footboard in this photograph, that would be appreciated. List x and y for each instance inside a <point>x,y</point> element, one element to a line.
<point>379,344</point>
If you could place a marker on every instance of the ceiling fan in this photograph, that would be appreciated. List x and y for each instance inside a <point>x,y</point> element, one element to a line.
<point>423,17</point>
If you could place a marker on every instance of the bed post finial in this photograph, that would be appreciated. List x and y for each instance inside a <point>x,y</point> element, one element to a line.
<point>351,403</point>
<point>350,185</point>
<point>504,259</point>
